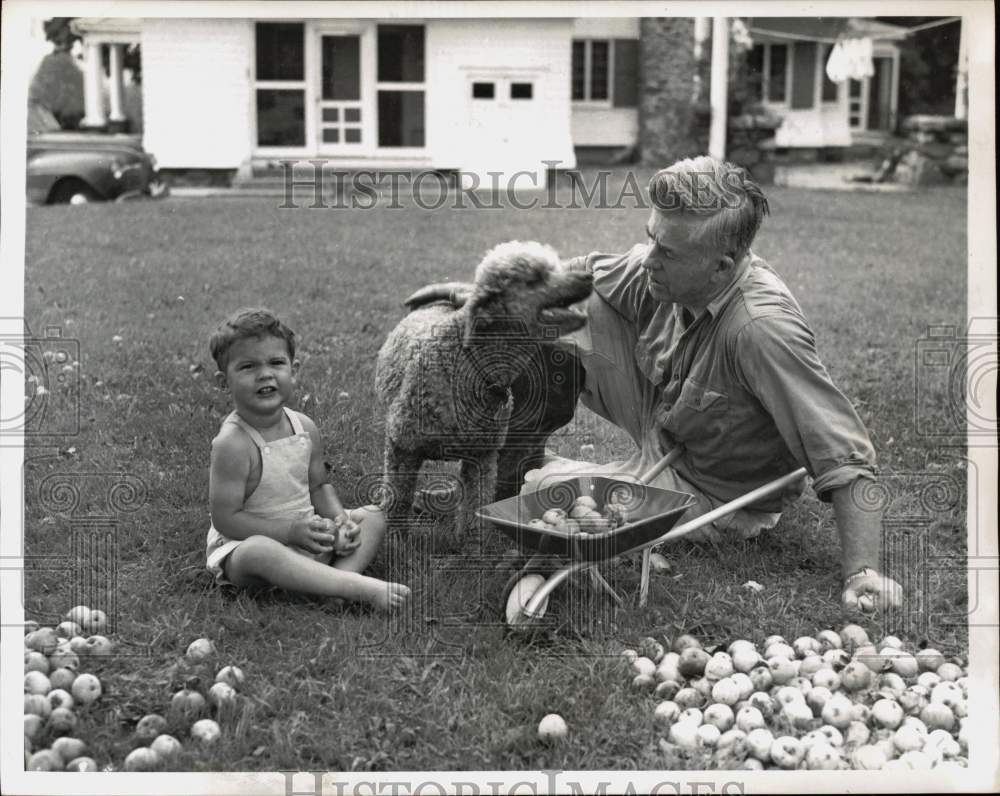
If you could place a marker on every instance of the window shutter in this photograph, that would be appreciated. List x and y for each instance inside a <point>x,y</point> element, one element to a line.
<point>803,75</point>
<point>626,90</point>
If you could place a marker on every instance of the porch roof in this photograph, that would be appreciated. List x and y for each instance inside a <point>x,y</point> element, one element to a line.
<point>108,28</point>
<point>825,29</point>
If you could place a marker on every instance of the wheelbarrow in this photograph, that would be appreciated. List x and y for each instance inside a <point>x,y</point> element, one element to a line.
<point>651,515</point>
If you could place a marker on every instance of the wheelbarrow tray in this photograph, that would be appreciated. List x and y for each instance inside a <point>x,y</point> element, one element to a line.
<point>651,513</point>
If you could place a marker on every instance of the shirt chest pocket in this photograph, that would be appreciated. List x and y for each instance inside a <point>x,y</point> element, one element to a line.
<point>700,413</point>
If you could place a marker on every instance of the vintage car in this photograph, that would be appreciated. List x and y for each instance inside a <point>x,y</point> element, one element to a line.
<point>82,167</point>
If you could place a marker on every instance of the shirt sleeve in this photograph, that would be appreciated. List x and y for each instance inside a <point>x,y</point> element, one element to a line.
<point>618,279</point>
<point>777,361</point>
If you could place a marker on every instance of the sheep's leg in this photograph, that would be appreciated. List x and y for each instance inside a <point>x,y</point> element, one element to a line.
<point>478,476</point>
<point>399,482</point>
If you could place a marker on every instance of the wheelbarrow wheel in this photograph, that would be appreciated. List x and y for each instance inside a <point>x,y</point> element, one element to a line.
<point>519,596</point>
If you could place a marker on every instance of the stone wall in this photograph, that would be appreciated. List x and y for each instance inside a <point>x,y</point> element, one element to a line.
<point>670,114</point>
<point>746,137</point>
<point>935,151</point>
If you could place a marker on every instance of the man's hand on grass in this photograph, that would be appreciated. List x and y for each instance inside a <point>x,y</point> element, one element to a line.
<point>870,590</point>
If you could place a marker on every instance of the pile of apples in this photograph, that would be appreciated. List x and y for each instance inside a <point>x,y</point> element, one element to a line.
<point>583,516</point>
<point>55,688</point>
<point>833,702</point>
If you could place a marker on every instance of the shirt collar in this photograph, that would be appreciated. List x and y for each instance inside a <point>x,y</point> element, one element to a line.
<point>714,307</point>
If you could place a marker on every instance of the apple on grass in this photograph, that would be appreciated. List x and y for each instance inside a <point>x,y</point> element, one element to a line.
<point>82,764</point>
<point>222,695</point>
<point>33,726</point>
<point>86,689</point>
<point>69,748</point>
<point>99,645</point>
<point>166,746</point>
<point>187,702</point>
<point>552,728</point>
<point>200,649</point>
<point>205,731</point>
<point>45,760</point>
<point>231,676</point>
<point>149,727</point>
<point>61,721</point>
<point>35,661</point>
<point>141,759</point>
<point>37,683</point>
<point>37,704</point>
<point>78,614</point>
<point>68,629</point>
<point>59,698</point>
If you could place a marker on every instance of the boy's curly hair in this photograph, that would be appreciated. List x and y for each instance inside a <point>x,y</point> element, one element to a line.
<point>244,323</point>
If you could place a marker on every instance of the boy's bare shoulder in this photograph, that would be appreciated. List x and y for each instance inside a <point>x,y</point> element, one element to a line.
<point>231,441</point>
<point>307,423</point>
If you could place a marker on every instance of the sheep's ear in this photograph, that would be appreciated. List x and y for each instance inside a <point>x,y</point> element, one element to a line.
<point>473,306</point>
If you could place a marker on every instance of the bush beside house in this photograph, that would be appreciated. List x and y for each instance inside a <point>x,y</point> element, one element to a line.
<point>58,88</point>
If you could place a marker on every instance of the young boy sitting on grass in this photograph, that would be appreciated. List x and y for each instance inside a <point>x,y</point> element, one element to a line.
<point>275,518</point>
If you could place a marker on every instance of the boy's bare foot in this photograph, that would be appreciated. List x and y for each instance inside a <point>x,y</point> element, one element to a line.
<point>389,596</point>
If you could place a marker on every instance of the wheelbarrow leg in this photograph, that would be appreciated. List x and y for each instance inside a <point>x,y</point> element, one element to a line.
<point>602,585</point>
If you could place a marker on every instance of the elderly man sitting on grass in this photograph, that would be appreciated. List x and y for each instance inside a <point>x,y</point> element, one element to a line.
<point>693,342</point>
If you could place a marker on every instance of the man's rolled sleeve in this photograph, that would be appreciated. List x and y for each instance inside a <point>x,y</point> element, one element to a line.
<point>777,360</point>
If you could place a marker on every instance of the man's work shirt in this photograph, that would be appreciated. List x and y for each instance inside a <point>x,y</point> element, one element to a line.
<point>740,386</point>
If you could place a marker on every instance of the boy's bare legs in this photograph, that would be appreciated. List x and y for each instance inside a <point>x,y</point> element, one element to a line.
<point>372,522</point>
<point>261,558</point>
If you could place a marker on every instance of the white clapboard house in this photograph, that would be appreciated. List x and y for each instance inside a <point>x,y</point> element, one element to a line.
<point>475,95</point>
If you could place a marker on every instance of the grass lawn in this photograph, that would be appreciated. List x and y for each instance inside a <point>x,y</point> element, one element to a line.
<point>141,285</point>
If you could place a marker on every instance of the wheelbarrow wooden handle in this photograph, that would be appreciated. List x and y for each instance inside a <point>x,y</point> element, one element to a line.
<point>700,522</point>
<point>672,456</point>
<point>728,508</point>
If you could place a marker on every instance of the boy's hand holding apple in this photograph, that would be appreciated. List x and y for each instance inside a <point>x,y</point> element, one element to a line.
<point>313,533</point>
<point>348,540</point>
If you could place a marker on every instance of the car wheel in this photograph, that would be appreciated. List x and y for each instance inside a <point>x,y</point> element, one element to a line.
<point>72,191</point>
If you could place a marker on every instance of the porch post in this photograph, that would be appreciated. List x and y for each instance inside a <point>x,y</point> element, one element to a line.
<point>718,92</point>
<point>701,33</point>
<point>962,81</point>
<point>116,115</point>
<point>93,101</point>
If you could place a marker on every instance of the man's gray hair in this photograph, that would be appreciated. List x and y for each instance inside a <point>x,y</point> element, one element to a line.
<point>732,205</point>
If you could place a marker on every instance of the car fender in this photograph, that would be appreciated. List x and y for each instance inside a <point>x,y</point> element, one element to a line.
<point>92,168</point>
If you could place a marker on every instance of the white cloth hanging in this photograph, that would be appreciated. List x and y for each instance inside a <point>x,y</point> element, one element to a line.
<point>836,64</point>
<point>851,59</point>
<point>862,62</point>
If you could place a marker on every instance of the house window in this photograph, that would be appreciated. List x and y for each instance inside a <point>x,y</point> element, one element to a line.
<point>482,90</point>
<point>401,53</point>
<point>767,72</point>
<point>400,85</point>
<point>521,91</point>
<point>280,51</point>
<point>401,118</point>
<point>280,87</point>
<point>755,72</point>
<point>605,72</point>
<point>777,72</point>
